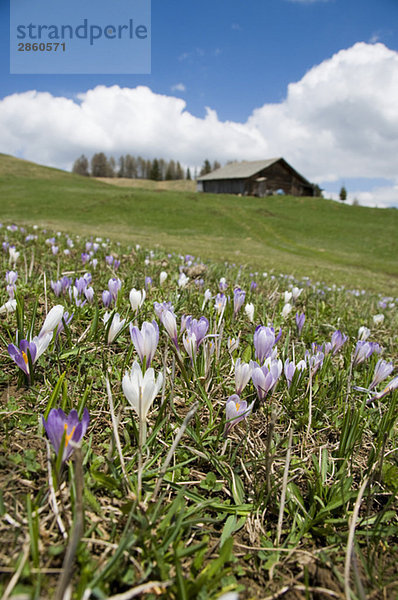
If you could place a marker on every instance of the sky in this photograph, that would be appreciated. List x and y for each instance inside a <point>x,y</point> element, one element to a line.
<point>314,81</point>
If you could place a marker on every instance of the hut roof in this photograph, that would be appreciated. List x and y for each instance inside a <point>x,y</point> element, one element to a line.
<point>239,170</point>
<point>245,169</point>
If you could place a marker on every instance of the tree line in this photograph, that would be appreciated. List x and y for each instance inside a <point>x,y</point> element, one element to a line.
<point>132,167</point>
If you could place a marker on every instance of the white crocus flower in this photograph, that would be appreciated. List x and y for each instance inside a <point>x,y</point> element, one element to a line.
<point>162,277</point>
<point>42,342</point>
<point>140,391</point>
<point>296,291</point>
<point>363,333</point>
<point>249,310</point>
<point>378,319</point>
<point>9,306</point>
<point>115,327</point>
<point>137,298</point>
<point>287,296</point>
<point>286,310</point>
<point>52,320</point>
<point>183,280</point>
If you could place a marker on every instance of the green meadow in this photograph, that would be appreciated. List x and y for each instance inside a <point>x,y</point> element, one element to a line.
<point>328,241</point>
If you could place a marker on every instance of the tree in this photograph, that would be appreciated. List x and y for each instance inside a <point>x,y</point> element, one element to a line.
<point>216,165</point>
<point>343,194</point>
<point>130,166</point>
<point>111,167</point>
<point>188,175</point>
<point>179,171</point>
<point>99,165</point>
<point>122,169</point>
<point>171,171</point>
<point>206,168</point>
<point>154,172</point>
<point>80,166</point>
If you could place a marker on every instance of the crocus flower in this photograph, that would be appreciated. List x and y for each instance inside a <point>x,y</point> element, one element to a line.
<point>89,294</point>
<point>239,299</point>
<point>233,344</point>
<point>262,379</point>
<point>391,386</point>
<point>287,296</point>
<point>338,340</point>
<point>290,368</point>
<point>145,341</point>
<point>137,298</point>
<point>249,310</point>
<point>363,350</point>
<point>207,296</point>
<point>296,291</point>
<point>198,327</point>
<point>378,319</point>
<point>56,286</point>
<point>106,298</point>
<point>66,319</point>
<point>286,310</point>
<point>235,410</point>
<point>190,344</point>
<point>264,339</point>
<point>11,277</point>
<point>243,372</point>
<point>116,326</point>
<point>169,322</point>
<point>162,277</point>
<point>14,255</point>
<point>141,390</point>
<point>148,282</point>
<point>183,280</point>
<point>300,320</point>
<point>9,306</point>
<point>382,370</point>
<point>114,285</point>
<point>363,333</point>
<point>59,425</point>
<point>220,302</point>
<point>222,284</point>
<point>20,355</point>
<point>315,361</point>
<point>52,320</point>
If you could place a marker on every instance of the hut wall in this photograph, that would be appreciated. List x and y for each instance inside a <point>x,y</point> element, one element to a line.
<point>224,186</point>
<point>278,176</point>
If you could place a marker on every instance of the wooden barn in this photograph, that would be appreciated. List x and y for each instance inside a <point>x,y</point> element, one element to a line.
<point>256,178</point>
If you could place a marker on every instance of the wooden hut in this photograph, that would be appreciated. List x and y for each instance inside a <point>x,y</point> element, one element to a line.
<point>256,178</point>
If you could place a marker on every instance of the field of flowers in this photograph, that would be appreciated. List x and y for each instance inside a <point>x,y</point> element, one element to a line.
<point>184,430</point>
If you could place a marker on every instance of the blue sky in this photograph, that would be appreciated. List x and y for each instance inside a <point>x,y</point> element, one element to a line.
<point>238,59</point>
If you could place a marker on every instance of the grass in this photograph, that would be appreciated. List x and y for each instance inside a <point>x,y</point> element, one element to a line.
<point>353,246</point>
<point>298,500</point>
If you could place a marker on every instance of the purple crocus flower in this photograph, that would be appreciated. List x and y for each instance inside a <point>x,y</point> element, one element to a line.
<point>222,284</point>
<point>253,286</point>
<point>114,285</point>
<point>338,340</point>
<point>109,259</point>
<point>145,341</point>
<point>106,298</point>
<point>85,257</point>
<point>198,327</point>
<point>20,355</point>
<point>382,370</point>
<point>190,344</point>
<point>160,307</point>
<point>290,369</point>
<point>391,386</point>
<point>11,277</point>
<point>56,286</point>
<point>66,319</point>
<point>262,379</point>
<point>239,299</point>
<point>66,282</point>
<point>220,302</point>
<point>80,285</point>
<point>363,350</point>
<point>148,282</point>
<point>59,425</point>
<point>235,410</point>
<point>264,339</point>
<point>116,264</point>
<point>315,361</point>
<point>300,320</point>
<point>89,293</point>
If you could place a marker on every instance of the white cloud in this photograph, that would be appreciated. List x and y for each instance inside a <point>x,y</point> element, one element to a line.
<point>339,121</point>
<point>178,87</point>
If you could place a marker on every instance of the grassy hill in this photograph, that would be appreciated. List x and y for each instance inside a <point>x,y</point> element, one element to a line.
<point>355,246</point>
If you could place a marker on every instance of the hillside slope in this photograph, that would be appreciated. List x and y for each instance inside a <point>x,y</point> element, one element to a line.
<point>355,246</point>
